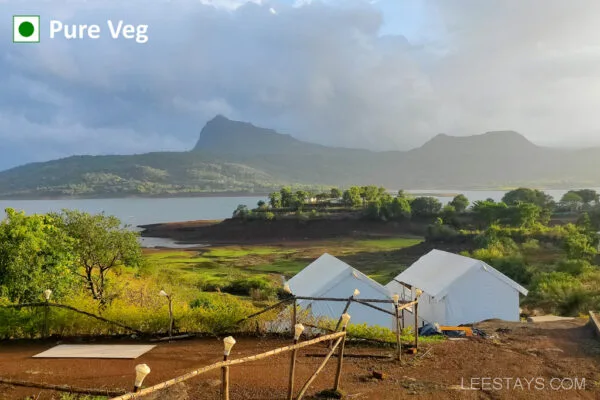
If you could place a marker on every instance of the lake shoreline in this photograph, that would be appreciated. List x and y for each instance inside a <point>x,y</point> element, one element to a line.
<point>437,192</point>
<point>129,196</point>
<point>238,231</point>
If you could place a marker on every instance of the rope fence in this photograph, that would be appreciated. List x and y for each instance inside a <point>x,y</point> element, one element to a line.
<point>221,364</point>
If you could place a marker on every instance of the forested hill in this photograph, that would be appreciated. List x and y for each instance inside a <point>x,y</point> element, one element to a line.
<point>233,156</point>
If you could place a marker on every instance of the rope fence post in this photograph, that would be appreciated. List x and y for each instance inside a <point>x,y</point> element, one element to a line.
<point>47,294</point>
<point>396,299</point>
<point>171,320</point>
<point>228,343</point>
<point>298,329</point>
<point>418,293</point>
<point>338,372</point>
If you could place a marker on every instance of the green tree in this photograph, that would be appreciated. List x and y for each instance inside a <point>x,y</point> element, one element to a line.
<point>489,212</point>
<point>262,205</point>
<point>525,195</point>
<point>101,246</point>
<point>352,197</point>
<point>275,200</point>
<point>287,199</point>
<point>571,201</point>
<point>336,193</point>
<point>523,215</point>
<point>402,194</point>
<point>35,255</point>
<point>460,203</point>
<point>587,195</point>
<point>448,212</point>
<point>369,193</point>
<point>425,206</point>
<point>241,211</point>
<point>399,208</point>
<point>579,246</point>
<point>302,196</point>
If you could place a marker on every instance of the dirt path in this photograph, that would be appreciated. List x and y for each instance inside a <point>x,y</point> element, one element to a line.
<point>542,352</point>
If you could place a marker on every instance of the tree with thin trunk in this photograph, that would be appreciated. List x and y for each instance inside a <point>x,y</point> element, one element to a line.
<point>102,245</point>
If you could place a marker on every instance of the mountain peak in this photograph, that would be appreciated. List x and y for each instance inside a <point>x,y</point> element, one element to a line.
<point>504,139</point>
<point>222,135</point>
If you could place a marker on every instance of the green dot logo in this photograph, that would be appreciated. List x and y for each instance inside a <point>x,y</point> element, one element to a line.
<point>26,28</point>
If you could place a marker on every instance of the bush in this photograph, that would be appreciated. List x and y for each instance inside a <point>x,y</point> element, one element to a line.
<point>441,233</point>
<point>559,292</point>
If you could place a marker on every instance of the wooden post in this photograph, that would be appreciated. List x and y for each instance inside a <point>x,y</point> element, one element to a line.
<point>314,376</point>
<point>292,373</point>
<point>170,316</point>
<point>225,381</point>
<point>220,364</point>
<point>46,312</point>
<point>416,307</point>
<point>344,312</point>
<point>338,373</point>
<point>398,339</point>
<point>294,317</point>
<point>340,320</point>
<point>403,325</point>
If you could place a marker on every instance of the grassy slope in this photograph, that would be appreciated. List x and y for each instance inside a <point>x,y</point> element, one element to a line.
<point>221,265</point>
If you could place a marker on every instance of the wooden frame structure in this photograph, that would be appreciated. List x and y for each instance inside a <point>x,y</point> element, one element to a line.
<point>338,336</point>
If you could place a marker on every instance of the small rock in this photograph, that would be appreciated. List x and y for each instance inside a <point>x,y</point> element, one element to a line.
<point>379,375</point>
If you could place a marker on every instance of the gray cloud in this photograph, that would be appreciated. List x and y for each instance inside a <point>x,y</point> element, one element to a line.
<point>321,72</point>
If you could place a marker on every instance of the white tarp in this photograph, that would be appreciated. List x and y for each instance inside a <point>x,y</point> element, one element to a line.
<point>96,351</point>
<point>459,290</point>
<point>330,277</point>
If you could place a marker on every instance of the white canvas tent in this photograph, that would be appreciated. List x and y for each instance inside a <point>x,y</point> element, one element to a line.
<point>330,277</point>
<point>458,290</point>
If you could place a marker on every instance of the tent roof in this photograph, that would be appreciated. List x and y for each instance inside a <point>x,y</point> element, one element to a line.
<point>324,273</point>
<point>315,277</point>
<point>437,270</point>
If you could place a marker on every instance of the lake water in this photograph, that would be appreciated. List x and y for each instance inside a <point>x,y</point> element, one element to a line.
<point>138,211</point>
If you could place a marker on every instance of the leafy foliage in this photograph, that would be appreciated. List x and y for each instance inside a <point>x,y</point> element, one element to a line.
<point>100,245</point>
<point>35,255</point>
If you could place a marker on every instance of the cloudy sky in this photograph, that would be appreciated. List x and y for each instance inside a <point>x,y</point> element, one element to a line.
<point>386,74</point>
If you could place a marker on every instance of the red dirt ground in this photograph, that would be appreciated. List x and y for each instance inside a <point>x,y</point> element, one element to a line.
<point>545,351</point>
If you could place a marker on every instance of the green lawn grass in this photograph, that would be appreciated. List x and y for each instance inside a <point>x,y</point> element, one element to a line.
<point>217,267</point>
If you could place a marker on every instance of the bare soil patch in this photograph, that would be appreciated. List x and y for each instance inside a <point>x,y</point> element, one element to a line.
<point>566,349</point>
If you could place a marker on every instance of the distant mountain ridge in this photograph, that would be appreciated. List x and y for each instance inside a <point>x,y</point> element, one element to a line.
<point>234,156</point>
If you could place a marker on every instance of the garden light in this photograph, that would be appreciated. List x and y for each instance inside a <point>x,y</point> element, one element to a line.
<point>396,299</point>
<point>47,294</point>
<point>419,292</point>
<point>163,293</point>
<point>228,342</point>
<point>141,371</point>
<point>286,288</point>
<point>345,319</point>
<point>298,329</point>
<point>356,293</point>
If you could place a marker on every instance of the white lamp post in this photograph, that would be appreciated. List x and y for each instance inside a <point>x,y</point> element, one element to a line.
<point>165,294</point>
<point>298,329</point>
<point>141,371</point>
<point>286,288</point>
<point>345,320</point>
<point>228,343</point>
<point>47,294</point>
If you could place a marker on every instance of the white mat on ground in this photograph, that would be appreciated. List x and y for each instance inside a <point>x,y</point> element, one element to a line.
<point>96,351</point>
